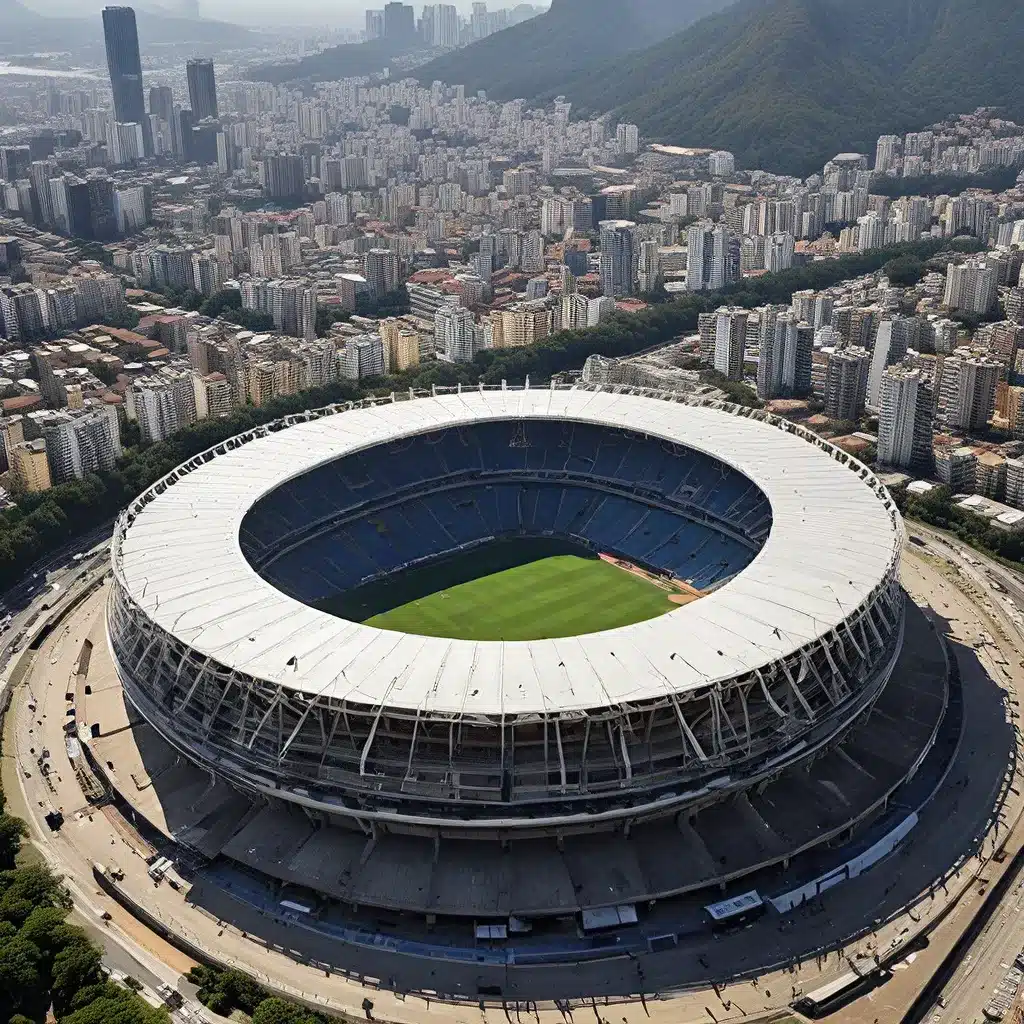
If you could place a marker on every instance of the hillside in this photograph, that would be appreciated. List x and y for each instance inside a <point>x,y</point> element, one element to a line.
<point>535,57</point>
<point>786,84</point>
<point>329,65</point>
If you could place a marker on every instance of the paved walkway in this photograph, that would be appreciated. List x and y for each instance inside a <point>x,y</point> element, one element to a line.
<point>89,837</point>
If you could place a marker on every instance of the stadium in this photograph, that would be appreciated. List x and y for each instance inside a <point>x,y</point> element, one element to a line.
<point>523,653</point>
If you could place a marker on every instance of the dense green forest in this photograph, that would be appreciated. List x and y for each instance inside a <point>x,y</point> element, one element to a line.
<point>43,522</point>
<point>787,84</point>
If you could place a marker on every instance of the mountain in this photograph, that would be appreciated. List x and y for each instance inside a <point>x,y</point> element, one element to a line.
<point>15,15</point>
<point>329,65</point>
<point>532,58</point>
<point>786,84</point>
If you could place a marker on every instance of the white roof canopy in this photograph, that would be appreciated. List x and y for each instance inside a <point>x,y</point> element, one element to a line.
<point>834,539</point>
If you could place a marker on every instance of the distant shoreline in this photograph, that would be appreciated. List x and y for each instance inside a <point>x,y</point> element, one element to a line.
<point>18,69</point>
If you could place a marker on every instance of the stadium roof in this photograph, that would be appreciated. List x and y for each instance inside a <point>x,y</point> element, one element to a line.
<point>833,541</point>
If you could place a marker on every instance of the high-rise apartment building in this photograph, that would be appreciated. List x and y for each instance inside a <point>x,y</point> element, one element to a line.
<point>730,342</point>
<point>374,24</point>
<point>967,389</point>
<point>161,102</point>
<point>648,268</point>
<point>83,441</point>
<point>361,357</point>
<point>846,381</point>
<point>778,252</point>
<point>972,286</point>
<point>125,144</point>
<point>906,416</point>
<point>213,396</point>
<point>617,257</point>
<point>891,343</point>
<point>721,163</point>
<point>124,64</point>
<point>284,176</point>
<point>784,365</point>
<point>627,137</point>
<point>440,25</point>
<point>291,303</point>
<point>131,209</point>
<point>455,334</point>
<point>162,405</point>
<point>202,88</point>
<point>401,345</point>
<point>399,22</point>
<point>870,232</point>
<point>382,269</point>
<point>708,257</point>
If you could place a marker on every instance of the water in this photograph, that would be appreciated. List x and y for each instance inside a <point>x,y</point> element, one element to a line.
<point>14,69</point>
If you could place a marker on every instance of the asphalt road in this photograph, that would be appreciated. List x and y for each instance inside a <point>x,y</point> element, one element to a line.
<point>969,990</point>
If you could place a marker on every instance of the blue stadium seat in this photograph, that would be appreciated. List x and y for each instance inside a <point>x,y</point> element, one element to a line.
<point>375,511</point>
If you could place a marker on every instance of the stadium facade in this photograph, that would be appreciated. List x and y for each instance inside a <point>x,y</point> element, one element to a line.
<point>729,734</point>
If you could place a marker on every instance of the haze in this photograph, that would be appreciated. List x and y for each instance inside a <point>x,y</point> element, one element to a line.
<point>337,12</point>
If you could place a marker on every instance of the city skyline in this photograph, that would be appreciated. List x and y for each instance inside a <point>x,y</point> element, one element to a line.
<point>347,12</point>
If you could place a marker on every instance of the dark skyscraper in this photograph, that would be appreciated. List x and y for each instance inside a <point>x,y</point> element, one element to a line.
<point>121,37</point>
<point>101,209</point>
<point>202,88</point>
<point>123,62</point>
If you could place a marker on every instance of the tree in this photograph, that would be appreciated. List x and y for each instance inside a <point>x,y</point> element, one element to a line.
<point>12,831</point>
<point>115,1005</point>
<point>327,317</point>
<point>225,299</point>
<point>21,985</point>
<point>904,271</point>
<point>279,1011</point>
<point>46,929</point>
<point>250,319</point>
<point>76,966</point>
<point>25,889</point>
<point>127,319</point>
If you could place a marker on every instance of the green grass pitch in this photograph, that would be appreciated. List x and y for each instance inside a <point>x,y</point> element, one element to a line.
<point>563,595</point>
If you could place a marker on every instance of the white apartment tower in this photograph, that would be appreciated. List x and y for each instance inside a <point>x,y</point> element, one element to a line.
<point>455,334</point>
<point>972,286</point>
<point>162,405</point>
<point>784,366</point>
<point>967,390</point>
<point>617,257</point>
<point>82,442</point>
<point>707,257</point>
<point>891,343</point>
<point>730,342</point>
<point>906,416</point>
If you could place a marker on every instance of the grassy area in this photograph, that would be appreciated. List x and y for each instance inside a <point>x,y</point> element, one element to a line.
<point>551,596</point>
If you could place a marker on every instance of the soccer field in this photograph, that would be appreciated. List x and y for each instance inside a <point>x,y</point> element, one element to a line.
<point>561,595</point>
